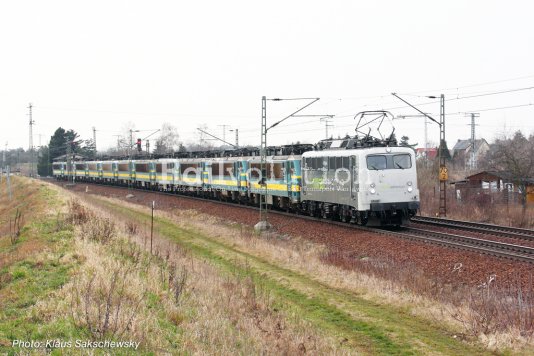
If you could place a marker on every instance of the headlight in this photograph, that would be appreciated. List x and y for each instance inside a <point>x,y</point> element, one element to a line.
<point>372,190</point>
<point>372,185</point>
<point>409,183</point>
<point>410,189</point>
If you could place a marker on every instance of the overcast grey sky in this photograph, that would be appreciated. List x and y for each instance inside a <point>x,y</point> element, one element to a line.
<point>104,63</point>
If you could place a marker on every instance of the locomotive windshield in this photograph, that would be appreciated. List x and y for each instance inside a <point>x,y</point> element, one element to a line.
<point>402,161</point>
<point>380,162</point>
<point>376,162</point>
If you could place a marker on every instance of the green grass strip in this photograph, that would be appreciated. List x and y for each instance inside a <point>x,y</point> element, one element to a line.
<point>369,327</point>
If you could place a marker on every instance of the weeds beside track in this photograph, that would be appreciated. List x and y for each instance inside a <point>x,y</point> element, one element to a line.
<point>366,326</point>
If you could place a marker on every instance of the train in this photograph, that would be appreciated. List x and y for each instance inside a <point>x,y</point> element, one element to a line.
<point>347,180</point>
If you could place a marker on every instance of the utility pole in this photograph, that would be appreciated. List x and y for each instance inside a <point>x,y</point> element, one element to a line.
<point>31,140</point>
<point>4,157</point>
<point>94,138</point>
<point>4,163</point>
<point>264,224</point>
<point>473,163</point>
<point>152,226</point>
<point>236,137</point>
<point>130,159</point>
<point>8,182</point>
<point>70,170</point>
<point>443,171</point>
<point>130,145</point>
<point>147,146</point>
<point>202,129</point>
<point>224,131</point>
<point>326,124</point>
<point>130,181</point>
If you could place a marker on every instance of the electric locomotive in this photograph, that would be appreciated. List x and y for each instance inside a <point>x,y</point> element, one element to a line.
<point>365,185</point>
<point>364,181</point>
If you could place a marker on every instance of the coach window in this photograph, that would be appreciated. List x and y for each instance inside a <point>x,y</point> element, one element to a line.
<point>332,163</point>
<point>402,161</point>
<point>376,162</point>
<point>170,165</point>
<point>339,162</point>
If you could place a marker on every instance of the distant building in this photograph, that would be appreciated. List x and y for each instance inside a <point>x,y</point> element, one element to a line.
<point>462,152</point>
<point>428,153</point>
<point>494,183</point>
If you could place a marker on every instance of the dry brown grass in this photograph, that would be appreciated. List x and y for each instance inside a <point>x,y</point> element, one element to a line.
<point>307,258</point>
<point>16,216</point>
<point>496,317</point>
<point>121,291</point>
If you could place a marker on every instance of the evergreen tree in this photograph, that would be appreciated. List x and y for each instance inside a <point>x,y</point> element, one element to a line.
<point>58,144</point>
<point>44,165</point>
<point>61,139</point>
<point>445,150</point>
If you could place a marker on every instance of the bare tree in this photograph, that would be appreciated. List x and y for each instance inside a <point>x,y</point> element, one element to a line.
<point>515,155</point>
<point>123,141</point>
<point>168,140</point>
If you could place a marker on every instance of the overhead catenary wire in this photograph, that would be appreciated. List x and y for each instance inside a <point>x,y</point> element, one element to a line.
<point>249,128</point>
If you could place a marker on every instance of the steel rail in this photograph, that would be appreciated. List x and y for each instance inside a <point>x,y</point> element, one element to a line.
<point>519,252</point>
<point>513,232</point>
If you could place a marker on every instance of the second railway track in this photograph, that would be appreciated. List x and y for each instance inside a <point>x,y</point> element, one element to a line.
<point>498,230</point>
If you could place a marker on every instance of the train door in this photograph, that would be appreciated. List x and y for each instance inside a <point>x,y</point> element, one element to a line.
<point>355,177</point>
<point>115,170</point>
<point>171,172</point>
<point>152,167</point>
<point>243,176</point>
<point>288,168</point>
<point>295,179</point>
<point>207,173</point>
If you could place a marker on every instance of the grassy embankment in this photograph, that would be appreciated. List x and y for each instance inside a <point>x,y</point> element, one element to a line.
<point>76,273</point>
<point>362,325</point>
<point>73,274</point>
<point>32,264</point>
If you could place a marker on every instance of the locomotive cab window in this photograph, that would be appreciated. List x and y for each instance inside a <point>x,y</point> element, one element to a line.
<point>376,162</point>
<point>380,162</point>
<point>402,161</point>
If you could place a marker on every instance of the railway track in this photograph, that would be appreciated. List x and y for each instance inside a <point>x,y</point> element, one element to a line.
<point>488,247</point>
<point>513,232</point>
<point>495,248</point>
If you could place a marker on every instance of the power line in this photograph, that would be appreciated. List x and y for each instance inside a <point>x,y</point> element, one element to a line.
<point>471,85</point>
<point>32,173</point>
<point>453,99</point>
<point>492,93</point>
